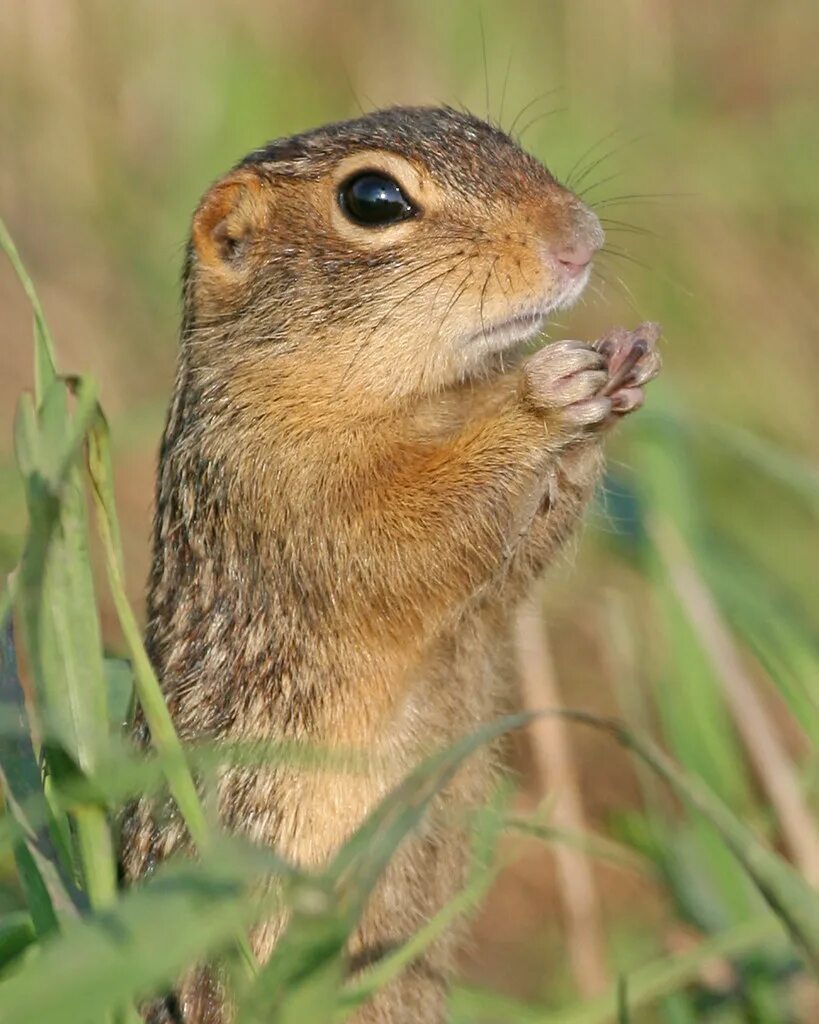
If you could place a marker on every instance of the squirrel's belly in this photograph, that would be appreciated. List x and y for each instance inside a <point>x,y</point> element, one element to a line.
<point>450,692</point>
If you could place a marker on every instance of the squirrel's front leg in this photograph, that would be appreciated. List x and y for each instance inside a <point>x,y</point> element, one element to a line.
<point>440,523</point>
<point>632,361</point>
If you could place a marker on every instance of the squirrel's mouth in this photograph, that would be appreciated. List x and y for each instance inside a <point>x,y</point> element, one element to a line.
<point>502,334</point>
<point>496,335</point>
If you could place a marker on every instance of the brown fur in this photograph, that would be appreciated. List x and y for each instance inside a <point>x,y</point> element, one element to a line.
<point>358,480</point>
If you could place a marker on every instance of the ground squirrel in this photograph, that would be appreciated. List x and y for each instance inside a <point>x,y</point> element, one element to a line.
<point>360,476</point>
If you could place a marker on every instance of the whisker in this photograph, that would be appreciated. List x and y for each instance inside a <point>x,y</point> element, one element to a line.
<point>651,269</point>
<point>586,154</point>
<point>501,285</point>
<point>545,95</point>
<point>485,65</point>
<point>454,299</point>
<point>393,309</point>
<point>630,297</point>
<point>620,225</point>
<point>626,292</point>
<point>599,184</point>
<point>349,83</point>
<point>622,254</point>
<point>505,84</point>
<point>540,117</point>
<point>639,197</point>
<point>597,290</point>
<point>614,150</point>
<point>441,284</point>
<point>483,293</point>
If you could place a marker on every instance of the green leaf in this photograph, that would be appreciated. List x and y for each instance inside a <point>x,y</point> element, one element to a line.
<point>119,678</point>
<point>55,592</point>
<point>149,692</point>
<point>55,596</point>
<point>16,934</point>
<point>623,1016</point>
<point>490,824</point>
<point>48,893</point>
<point>139,945</point>
<point>45,363</point>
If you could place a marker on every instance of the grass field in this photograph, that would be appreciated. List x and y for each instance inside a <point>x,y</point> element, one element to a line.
<point>689,610</point>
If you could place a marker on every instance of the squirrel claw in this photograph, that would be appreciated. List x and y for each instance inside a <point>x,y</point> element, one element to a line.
<point>632,360</point>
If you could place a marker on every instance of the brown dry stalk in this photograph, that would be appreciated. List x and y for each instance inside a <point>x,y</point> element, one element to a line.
<point>766,752</point>
<point>557,775</point>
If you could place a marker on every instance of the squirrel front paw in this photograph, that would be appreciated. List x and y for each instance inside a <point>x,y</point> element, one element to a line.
<point>566,381</point>
<point>568,378</point>
<point>581,387</point>
<point>633,361</point>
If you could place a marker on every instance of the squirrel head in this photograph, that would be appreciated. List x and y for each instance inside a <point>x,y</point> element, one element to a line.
<point>399,252</point>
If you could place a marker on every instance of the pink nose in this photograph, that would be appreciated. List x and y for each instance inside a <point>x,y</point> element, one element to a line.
<point>575,258</point>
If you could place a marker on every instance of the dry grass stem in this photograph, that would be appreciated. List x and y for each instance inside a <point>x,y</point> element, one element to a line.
<point>557,775</point>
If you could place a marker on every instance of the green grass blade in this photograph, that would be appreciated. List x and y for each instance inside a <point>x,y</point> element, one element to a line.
<point>623,1015</point>
<point>163,733</point>
<point>48,893</point>
<point>45,362</point>
<point>302,979</point>
<point>97,854</point>
<point>773,630</point>
<point>789,896</point>
<point>695,719</point>
<point>593,845</point>
<point>61,627</point>
<point>125,774</point>
<point>776,462</point>
<point>183,913</point>
<point>490,825</point>
<point>365,855</point>
<point>696,722</point>
<point>781,466</point>
<point>17,933</point>
<point>38,894</point>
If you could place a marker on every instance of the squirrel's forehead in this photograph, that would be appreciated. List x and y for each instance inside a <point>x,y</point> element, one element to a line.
<point>455,147</point>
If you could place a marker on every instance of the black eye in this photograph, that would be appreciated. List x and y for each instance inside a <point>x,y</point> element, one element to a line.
<point>373,200</point>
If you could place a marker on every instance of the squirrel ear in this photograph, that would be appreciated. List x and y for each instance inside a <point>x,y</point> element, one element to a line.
<point>228,217</point>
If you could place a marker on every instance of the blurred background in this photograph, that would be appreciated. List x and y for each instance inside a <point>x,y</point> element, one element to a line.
<point>692,596</point>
